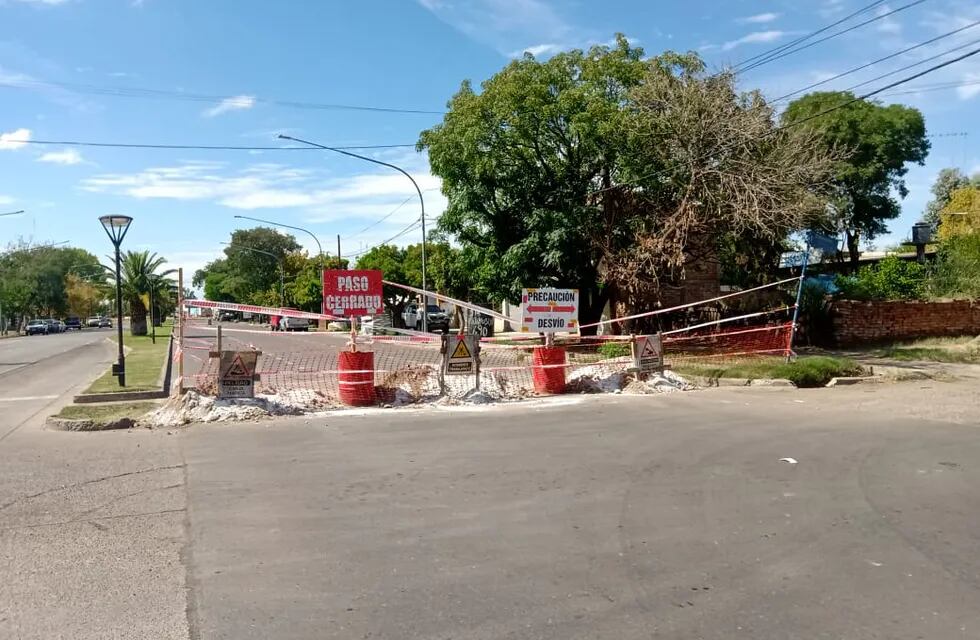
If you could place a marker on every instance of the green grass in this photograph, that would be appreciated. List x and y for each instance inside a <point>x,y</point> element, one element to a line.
<point>103,413</point>
<point>964,355</point>
<point>143,363</point>
<point>806,371</point>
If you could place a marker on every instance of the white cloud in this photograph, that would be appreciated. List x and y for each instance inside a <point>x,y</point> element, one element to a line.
<point>759,18</point>
<point>755,37</point>
<point>274,186</point>
<point>66,156</point>
<point>5,200</point>
<point>537,50</point>
<point>969,91</point>
<point>234,103</point>
<point>14,139</point>
<point>49,3</point>
<point>887,25</point>
<point>503,24</point>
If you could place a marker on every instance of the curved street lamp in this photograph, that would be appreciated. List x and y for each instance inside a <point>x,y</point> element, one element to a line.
<point>425,297</point>
<point>116,227</point>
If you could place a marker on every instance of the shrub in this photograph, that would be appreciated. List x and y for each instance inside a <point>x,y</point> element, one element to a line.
<point>890,279</point>
<point>956,272</point>
<point>614,349</point>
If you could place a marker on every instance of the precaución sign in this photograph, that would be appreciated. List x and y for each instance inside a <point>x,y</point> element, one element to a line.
<point>355,292</point>
<point>549,310</point>
<point>460,355</point>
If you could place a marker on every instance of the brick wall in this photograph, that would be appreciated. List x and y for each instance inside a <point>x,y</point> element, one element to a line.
<point>858,323</point>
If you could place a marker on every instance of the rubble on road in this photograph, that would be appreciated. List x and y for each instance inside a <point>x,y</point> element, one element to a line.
<point>194,407</point>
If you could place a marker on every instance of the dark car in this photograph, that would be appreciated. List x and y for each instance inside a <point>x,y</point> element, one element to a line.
<point>438,319</point>
<point>73,322</point>
<point>36,327</point>
<point>54,326</point>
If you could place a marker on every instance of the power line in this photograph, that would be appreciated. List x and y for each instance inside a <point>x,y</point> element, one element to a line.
<point>936,87</point>
<point>874,62</point>
<point>204,147</point>
<point>160,94</point>
<point>783,47</point>
<point>412,227</point>
<point>914,64</point>
<point>789,52</point>
<point>820,114</point>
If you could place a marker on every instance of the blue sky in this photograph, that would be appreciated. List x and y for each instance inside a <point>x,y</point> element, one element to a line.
<point>388,53</point>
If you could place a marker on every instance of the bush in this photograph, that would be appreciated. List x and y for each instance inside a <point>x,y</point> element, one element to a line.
<point>614,349</point>
<point>890,279</point>
<point>956,272</point>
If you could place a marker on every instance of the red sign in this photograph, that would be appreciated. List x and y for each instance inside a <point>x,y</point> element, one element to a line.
<point>355,292</point>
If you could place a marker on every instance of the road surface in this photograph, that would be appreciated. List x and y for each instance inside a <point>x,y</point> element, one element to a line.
<point>582,517</point>
<point>36,371</point>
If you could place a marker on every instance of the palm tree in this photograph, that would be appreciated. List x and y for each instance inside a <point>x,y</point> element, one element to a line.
<point>139,276</point>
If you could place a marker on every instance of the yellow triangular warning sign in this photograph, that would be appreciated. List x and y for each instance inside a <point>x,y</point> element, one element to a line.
<point>237,369</point>
<point>461,351</point>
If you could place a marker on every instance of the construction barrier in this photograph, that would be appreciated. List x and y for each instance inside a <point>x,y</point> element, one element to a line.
<point>548,370</point>
<point>355,378</point>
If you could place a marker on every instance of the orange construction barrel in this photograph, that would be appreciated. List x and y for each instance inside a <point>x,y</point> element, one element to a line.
<point>356,378</point>
<point>548,379</point>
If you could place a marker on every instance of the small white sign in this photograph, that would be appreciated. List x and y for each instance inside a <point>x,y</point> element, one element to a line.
<point>460,355</point>
<point>549,310</point>
<point>648,354</point>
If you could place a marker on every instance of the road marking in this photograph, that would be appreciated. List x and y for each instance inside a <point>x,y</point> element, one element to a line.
<point>27,398</point>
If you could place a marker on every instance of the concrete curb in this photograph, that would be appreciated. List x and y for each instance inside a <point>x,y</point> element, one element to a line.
<point>852,380</point>
<point>120,396</point>
<point>66,424</point>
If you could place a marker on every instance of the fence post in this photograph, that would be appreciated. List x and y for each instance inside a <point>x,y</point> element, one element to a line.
<point>180,331</point>
<point>796,307</point>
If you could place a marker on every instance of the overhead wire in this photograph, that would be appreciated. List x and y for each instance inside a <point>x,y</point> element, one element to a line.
<point>791,51</point>
<point>203,147</point>
<point>806,37</point>
<point>914,64</point>
<point>416,224</point>
<point>162,94</point>
<point>874,62</point>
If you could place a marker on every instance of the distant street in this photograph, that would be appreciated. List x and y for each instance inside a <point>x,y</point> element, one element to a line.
<point>36,370</point>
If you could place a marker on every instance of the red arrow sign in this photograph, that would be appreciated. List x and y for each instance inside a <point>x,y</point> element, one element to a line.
<point>556,309</point>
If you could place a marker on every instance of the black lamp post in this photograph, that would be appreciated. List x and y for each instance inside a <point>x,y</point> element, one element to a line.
<point>116,228</point>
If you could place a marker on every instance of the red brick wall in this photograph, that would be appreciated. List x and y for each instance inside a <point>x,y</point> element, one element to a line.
<point>858,323</point>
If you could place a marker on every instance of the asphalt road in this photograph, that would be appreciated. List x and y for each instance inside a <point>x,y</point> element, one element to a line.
<point>36,371</point>
<point>91,524</point>
<point>612,517</point>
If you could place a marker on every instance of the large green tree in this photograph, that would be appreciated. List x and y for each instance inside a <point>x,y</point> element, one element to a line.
<point>877,144</point>
<point>610,173</point>
<point>33,278</point>
<point>519,160</point>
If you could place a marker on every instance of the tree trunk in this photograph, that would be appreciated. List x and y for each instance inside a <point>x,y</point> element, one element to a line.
<point>853,249</point>
<point>137,320</point>
<point>591,303</point>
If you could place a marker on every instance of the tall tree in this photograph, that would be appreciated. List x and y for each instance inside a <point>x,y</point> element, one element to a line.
<point>520,159</point>
<point>878,143</point>
<point>140,276</point>
<point>961,215</point>
<point>948,181</point>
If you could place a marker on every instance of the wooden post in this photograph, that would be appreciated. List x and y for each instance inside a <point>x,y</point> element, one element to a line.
<point>219,341</point>
<point>180,330</point>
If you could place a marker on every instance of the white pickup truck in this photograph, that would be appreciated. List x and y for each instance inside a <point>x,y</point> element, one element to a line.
<point>437,319</point>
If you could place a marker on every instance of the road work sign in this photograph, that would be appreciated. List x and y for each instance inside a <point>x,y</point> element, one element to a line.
<point>460,355</point>
<point>236,377</point>
<point>352,292</point>
<point>648,353</point>
<point>549,310</point>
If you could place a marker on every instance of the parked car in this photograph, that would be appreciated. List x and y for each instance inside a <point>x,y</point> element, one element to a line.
<point>73,322</point>
<point>94,321</point>
<point>36,327</point>
<point>437,319</point>
<point>54,326</point>
<point>289,323</point>
<point>105,322</point>
<point>227,316</point>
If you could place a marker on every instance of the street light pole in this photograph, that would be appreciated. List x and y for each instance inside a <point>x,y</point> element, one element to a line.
<point>425,297</point>
<point>116,228</point>
<point>311,234</point>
